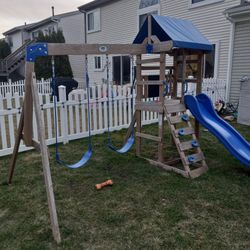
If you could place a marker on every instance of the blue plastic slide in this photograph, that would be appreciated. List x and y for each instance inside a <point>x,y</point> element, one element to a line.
<point>202,109</point>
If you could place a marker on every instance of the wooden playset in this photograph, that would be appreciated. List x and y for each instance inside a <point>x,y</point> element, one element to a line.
<point>169,108</point>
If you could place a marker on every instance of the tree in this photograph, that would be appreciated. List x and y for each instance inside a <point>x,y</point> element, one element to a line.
<point>43,64</point>
<point>4,49</point>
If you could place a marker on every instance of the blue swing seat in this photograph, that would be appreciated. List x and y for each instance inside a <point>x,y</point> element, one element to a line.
<point>85,158</point>
<point>126,147</point>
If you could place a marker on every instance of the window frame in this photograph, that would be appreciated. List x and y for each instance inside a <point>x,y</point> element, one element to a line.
<point>147,10</point>
<point>101,63</point>
<point>203,3</point>
<point>97,27</point>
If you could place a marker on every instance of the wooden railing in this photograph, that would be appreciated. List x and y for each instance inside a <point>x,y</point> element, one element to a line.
<point>11,62</point>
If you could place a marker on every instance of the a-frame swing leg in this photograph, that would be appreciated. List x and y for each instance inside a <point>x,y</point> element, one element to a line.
<point>42,147</point>
<point>45,162</point>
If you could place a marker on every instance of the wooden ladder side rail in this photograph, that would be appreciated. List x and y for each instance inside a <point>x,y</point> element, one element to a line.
<point>177,142</point>
<point>139,94</point>
<point>199,171</point>
<point>161,114</point>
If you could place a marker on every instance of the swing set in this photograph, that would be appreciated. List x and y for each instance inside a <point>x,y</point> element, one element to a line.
<point>159,36</point>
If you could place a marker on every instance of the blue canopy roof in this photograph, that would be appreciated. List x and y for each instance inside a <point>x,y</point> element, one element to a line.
<point>182,32</point>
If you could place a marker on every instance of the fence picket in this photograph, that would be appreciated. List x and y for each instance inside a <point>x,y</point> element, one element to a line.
<point>10,120</point>
<point>48,115</point>
<point>2,125</point>
<point>100,102</point>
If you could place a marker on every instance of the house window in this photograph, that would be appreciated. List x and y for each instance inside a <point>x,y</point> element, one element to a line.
<point>198,3</point>
<point>147,7</point>
<point>35,34</point>
<point>147,3</point>
<point>98,63</point>
<point>93,21</point>
<point>10,41</point>
<point>211,63</point>
<point>121,69</point>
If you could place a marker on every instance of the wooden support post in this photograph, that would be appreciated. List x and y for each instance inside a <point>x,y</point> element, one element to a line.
<point>45,162</point>
<point>176,74</point>
<point>16,147</point>
<point>161,114</point>
<point>149,29</point>
<point>28,107</point>
<point>183,74</point>
<point>138,98</point>
<point>200,65</point>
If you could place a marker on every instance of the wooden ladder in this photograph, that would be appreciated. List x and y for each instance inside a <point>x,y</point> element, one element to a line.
<point>176,114</point>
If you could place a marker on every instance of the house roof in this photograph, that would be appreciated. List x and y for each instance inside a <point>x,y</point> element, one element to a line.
<point>16,29</point>
<point>51,19</point>
<point>181,32</point>
<point>94,4</point>
<point>238,10</point>
<point>32,26</point>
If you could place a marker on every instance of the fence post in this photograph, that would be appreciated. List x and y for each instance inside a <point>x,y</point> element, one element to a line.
<point>9,88</point>
<point>63,114</point>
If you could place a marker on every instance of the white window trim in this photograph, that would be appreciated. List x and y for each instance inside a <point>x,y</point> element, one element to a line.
<point>203,3</point>
<point>95,69</point>
<point>146,10</point>
<point>95,29</point>
<point>216,58</point>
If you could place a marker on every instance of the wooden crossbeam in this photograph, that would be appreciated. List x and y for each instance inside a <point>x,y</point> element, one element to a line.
<point>149,60</point>
<point>95,49</point>
<point>149,137</point>
<point>150,83</point>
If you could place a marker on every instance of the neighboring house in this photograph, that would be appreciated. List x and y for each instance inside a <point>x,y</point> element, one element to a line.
<point>118,21</point>
<point>239,60</point>
<point>72,26</point>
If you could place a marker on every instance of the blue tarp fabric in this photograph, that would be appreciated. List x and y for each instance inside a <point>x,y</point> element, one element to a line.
<point>182,32</point>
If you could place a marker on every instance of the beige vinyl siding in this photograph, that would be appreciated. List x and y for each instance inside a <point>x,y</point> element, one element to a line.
<point>73,31</point>
<point>241,58</point>
<point>118,25</point>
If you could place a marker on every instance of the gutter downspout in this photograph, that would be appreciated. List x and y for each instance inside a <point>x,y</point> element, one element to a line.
<point>230,57</point>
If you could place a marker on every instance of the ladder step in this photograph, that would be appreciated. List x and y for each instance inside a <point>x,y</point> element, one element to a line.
<point>149,137</point>
<point>149,60</point>
<point>188,145</point>
<point>195,158</point>
<point>149,83</point>
<point>170,109</point>
<point>178,119</point>
<point>184,131</point>
<point>175,119</point>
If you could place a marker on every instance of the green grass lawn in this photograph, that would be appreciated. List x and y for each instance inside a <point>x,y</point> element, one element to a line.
<point>147,208</point>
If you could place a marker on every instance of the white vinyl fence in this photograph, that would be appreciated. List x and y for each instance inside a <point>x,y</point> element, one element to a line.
<point>72,113</point>
<point>18,87</point>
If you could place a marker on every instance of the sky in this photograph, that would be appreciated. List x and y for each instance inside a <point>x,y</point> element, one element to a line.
<point>17,12</point>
